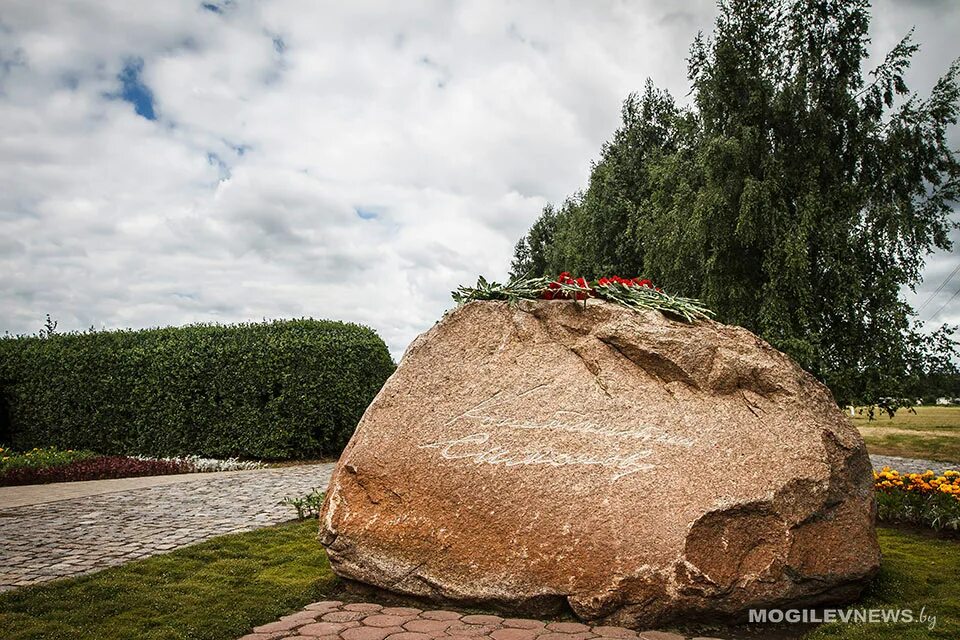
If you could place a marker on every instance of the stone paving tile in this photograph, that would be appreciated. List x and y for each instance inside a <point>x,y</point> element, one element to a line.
<point>43,542</point>
<point>911,465</point>
<point>375,622</point>
<point>24,495</point>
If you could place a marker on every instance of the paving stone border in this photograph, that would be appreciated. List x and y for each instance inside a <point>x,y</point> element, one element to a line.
<point>336,620</point>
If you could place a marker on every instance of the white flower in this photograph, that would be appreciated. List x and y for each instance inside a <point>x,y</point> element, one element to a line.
<point>204,465</point>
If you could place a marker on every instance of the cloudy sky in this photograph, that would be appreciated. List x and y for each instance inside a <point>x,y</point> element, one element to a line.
<point>189,161</point>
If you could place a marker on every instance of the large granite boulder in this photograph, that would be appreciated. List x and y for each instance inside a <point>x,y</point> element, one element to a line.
<point>632,467</point>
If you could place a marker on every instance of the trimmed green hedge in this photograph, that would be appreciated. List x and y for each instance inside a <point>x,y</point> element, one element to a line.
<point>273,390</point>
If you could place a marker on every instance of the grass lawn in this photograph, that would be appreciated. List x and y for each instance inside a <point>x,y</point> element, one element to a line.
<point>918,570</point>
<point>933,433</point>
<point>223,587</point>
<point>216,589</point>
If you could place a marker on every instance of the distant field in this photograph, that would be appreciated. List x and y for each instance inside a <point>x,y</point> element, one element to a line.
<point>932,433</point>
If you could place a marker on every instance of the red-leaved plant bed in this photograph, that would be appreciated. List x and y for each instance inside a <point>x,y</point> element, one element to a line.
<point>98,468</point>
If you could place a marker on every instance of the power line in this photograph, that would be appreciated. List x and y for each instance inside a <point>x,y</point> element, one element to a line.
<point>939,289</point>
<point>955,294</point>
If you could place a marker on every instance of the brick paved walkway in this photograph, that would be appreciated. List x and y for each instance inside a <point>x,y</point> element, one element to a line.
<point>49,540</point>
<point>334,620</point>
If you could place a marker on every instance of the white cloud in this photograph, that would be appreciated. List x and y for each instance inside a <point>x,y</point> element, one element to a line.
<point>448,125</point>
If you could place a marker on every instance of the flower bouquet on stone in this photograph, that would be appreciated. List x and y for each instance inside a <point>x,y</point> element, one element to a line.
<point>634,293</point>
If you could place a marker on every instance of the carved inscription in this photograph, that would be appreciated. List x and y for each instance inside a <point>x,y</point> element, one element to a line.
<point>624,450</point>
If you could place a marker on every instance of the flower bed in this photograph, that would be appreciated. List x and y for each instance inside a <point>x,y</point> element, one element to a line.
<point>41,466</point>
<point>634,293</point>
<point>97,468</point>
<point>919,498</point>
<point>39,458</point>
<point>205,465</point>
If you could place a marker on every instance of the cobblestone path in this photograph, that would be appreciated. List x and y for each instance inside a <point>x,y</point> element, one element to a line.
<point>911,465</point>
<point>42,542</point>
<point>334,620</point>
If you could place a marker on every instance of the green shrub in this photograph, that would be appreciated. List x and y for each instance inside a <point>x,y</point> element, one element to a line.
<point>272,390</point>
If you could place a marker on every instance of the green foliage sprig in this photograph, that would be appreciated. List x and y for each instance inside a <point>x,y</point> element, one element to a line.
<point>516,289</point>
<point>307,505</point>
<point>937,511</point>
<point>639,295</point>
<point>645,298</point>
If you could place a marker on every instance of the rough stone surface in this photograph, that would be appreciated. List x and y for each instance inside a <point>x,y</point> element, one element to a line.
<point>635,468</point>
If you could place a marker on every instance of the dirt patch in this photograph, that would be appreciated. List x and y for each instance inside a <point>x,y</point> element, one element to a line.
<point>889,431</point>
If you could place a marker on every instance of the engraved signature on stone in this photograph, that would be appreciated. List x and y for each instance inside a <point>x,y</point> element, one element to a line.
<point>643,433</point>
<point>478,448</point>
<point>472,447</point>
